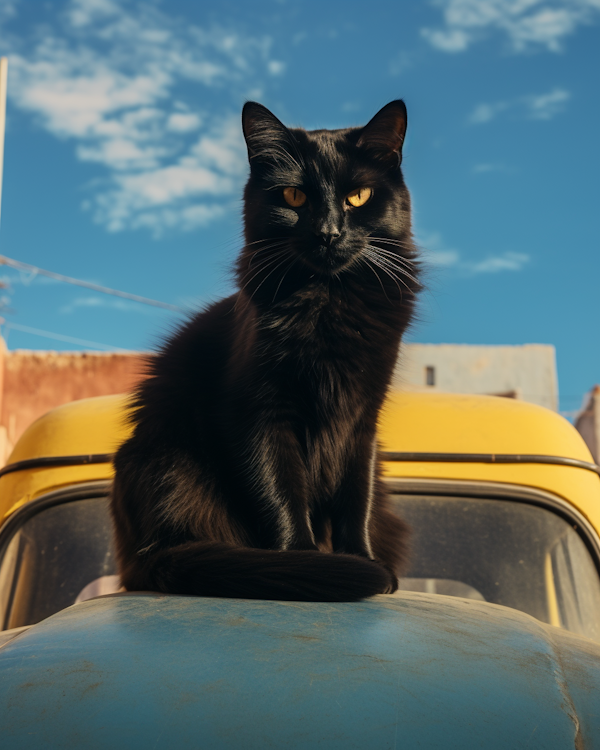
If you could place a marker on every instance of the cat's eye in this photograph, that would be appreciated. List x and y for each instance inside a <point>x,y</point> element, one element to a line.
<point>359,197</point>
<point>294,197</point>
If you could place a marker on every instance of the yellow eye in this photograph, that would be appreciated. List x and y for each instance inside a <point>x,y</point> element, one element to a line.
<point>359,197</point>
<point>294,197</point>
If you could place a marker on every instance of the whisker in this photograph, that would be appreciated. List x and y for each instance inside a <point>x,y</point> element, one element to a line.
<point>391,253</point>
<point>266,239</point>
<point>263,265</point>
<point>378,278</point>
<point>265,249</point>
<point>267,276</point>
<point>283,277</point>
<point>392,241</point>
<point>388,272</point>
<point>391,264</point>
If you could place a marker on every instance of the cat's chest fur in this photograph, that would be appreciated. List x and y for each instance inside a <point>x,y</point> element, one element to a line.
<point>315,355</point>
<point>321,329</point>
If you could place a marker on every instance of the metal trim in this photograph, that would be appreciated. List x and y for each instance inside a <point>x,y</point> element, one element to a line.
<point>502,491</point>
<point>489,458</point>
<point>68,494</point>
<point>472,458</point>
<point>49,461</point>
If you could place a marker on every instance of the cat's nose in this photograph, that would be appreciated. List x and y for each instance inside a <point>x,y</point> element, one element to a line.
<point>328,236</point>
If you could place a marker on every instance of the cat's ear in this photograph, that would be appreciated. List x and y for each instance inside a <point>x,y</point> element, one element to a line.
<point>384,135</point>
<point>263,132</point>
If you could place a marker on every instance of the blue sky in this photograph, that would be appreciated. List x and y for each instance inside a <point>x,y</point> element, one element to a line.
<point>124,160</point>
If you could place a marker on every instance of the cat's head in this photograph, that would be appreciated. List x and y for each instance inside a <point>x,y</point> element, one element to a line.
<point>326,195</point>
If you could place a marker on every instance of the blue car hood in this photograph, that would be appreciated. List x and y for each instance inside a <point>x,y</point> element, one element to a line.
<point>415,671</point>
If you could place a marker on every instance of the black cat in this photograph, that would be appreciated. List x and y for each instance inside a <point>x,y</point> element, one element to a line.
<point>254,454</point>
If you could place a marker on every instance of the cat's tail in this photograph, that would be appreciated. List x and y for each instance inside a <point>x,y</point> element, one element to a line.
<point>216,569</point>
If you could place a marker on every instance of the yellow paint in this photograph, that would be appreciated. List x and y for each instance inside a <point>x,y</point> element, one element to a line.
<point>414,422</point>
<point>553,614</point>
<point>452,423</point>
<point>89,426</point>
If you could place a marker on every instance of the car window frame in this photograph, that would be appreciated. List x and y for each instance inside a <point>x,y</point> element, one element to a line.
<point>485,490</point>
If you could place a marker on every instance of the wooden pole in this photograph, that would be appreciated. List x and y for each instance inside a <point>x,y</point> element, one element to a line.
<point>3,72</point>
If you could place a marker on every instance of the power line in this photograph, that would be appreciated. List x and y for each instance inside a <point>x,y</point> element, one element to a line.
<point>4,261</point>
<point>58,336</point>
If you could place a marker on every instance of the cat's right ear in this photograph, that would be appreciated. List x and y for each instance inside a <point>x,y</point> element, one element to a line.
<point>263,132</point>
<point>384,134</point>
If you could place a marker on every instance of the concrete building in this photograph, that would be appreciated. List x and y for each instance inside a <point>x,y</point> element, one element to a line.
<point>525,372</point>
<point>33,382</point>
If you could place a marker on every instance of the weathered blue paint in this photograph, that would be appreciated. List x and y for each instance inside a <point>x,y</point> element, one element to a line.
<point>419,671</point>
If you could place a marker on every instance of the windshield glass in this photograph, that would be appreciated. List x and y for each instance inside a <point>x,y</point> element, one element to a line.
<point>500,551</point>
<point>52,558</point>
<point>505,552</point>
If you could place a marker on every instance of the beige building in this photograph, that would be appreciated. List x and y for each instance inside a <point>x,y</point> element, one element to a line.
<point>526,372</point>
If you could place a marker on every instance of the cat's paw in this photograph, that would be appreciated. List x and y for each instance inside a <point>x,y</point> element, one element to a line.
<point>392,587</point>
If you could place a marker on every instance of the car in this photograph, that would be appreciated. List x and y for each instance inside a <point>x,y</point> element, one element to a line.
<point>493,640</point>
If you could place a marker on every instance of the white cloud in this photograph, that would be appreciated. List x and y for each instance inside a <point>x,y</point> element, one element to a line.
<point>532,106</point>
<point>486,112</point>
<point>545,106</point>
<point>495,263</point>
<point>276,67</point>
<point>102,303</point>
<point>185,194</point>
<point>435,253</point>
<point>447,40</point>
<point>109,78</point>
<point>7,9</point>
<point>183,122</point>
<point>526,23</point>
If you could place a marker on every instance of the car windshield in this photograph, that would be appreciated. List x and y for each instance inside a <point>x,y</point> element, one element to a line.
<point>501,551</point>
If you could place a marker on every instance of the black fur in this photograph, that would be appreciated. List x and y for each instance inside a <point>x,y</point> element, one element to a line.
<point>253,456</point>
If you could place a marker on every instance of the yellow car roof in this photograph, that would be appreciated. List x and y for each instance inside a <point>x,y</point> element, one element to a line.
<point>90,430</point>
<point>420,434</point>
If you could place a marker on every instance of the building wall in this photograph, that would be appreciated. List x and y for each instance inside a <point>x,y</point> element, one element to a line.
<point>587,422</point>
<point>527,372</point>
<point>33,382</point>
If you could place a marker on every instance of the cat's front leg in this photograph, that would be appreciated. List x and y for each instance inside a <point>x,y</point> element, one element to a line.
<point>352,510</point>
<point>352,504</point>
<point>278,478</point>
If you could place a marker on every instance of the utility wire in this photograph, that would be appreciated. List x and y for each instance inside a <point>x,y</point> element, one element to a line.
<point>4,261</point>
<point>58,336</point>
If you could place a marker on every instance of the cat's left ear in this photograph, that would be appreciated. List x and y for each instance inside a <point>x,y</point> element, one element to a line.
<point>384,135</point>
<point>263,132</point>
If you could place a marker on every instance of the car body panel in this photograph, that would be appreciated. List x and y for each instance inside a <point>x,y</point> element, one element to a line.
<point>414,422</point>
<point>438,422</point>
<point>401,671</point>
<point>90,426</point>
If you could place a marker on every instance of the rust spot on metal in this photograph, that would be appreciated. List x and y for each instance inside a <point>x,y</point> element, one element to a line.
<point>91,687</point>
